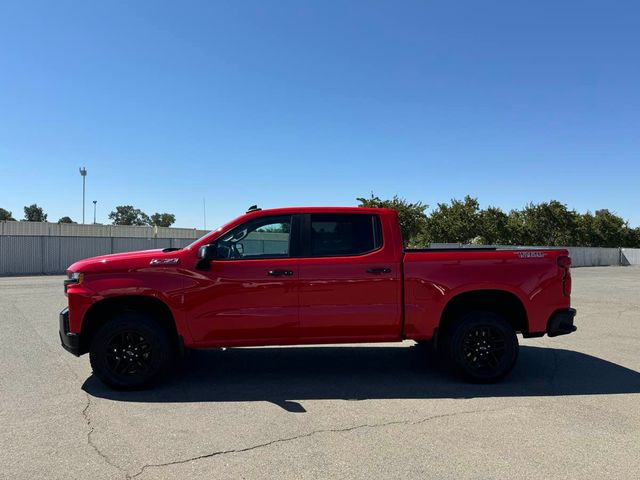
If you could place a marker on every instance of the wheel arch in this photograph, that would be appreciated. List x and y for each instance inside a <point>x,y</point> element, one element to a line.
<point>503,302</point>
<point>103,310</point>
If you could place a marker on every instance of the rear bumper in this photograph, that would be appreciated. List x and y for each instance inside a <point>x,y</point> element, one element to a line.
<point>561,323</point>
<point>70,341</point>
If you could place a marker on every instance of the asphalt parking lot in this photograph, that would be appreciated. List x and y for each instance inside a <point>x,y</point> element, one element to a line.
<point>571,408</point>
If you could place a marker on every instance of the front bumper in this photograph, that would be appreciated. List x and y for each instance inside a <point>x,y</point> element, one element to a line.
<point>70,341</point>
<point>561,323</point>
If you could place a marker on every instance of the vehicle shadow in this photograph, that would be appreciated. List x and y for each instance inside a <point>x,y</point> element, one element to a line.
<point>284,375</point>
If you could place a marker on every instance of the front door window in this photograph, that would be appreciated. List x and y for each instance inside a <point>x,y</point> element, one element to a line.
<point>260,238</point>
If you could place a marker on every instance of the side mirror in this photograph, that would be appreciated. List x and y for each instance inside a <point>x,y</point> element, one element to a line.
<point>208,252</point>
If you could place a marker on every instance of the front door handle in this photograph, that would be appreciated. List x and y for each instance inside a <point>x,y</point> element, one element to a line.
<point>280,273</point>
<point>379,270</point>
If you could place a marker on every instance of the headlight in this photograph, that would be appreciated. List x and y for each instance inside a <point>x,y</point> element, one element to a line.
<point>73,278</point>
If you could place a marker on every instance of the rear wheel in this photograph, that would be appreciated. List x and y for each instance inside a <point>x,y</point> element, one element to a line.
<point>130,351</point>
<point>483,346</point>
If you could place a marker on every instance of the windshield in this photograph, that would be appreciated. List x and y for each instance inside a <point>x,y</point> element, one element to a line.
<point>203,236</point>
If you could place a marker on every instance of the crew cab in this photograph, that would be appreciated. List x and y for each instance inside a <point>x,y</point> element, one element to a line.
<point>315,275</point>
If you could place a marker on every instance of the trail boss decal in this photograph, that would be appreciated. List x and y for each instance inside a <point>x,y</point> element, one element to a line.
<point>531,254</point>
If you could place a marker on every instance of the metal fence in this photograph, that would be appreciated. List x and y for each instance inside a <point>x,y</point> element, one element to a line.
<point>33,248</point>
<point>52,252</point>
<point>630,256</point>
<point>37,255</point>
<point>77,230</point>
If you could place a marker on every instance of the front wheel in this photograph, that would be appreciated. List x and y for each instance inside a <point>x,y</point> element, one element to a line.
<point>130,351</point>
<point>483,346</point>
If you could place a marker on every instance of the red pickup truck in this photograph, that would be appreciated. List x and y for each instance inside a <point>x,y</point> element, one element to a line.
<point>310,276</point>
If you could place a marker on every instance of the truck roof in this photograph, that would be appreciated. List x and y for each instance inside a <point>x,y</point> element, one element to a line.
<point>290,210</point>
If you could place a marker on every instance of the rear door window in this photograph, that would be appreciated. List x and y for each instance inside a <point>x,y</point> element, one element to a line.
<point>344,234</point>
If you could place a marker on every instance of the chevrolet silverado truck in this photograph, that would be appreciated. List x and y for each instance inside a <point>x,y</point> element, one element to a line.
<point>316,275</point>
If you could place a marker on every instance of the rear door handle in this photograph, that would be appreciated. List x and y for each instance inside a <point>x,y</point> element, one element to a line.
<point>379,270</point>
<point>280,273</point>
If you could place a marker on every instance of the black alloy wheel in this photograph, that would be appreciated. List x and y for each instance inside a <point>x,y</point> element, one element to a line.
<point>131,351</point>
<point>482,346</point>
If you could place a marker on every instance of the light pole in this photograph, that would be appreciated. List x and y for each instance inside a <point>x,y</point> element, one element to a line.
<point>83,172</point>
<point>94,211</point>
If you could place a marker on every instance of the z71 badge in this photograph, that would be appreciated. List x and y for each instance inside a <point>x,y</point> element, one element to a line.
<point>164,261</point>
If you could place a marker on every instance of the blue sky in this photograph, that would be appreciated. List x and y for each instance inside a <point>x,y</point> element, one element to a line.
<point>316,103</point>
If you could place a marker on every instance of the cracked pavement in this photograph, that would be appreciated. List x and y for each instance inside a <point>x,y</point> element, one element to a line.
<point>571,408</point>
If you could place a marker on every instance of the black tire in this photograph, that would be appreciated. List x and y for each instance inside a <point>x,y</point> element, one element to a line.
<point>482,346</point>
<point>130,351</point>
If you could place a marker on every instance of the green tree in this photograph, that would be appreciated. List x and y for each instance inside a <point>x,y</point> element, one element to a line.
<point>163,219</point>
<point>66,220</point>
<point>548,223</point>
<point>586,230</point>
<point>611,230</point>
<point>34,213</point>
<point>127,215</point>
<point>604,229</point>
<point>275,228</point>
<point>493,227</point>
<point>633,238</point>
<point>6,215</point>
<point>455,223</point>
<point>515,225</point>
<point>411,216</point>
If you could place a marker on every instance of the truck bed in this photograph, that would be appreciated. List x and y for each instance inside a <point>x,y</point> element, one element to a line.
<point>434,276</point>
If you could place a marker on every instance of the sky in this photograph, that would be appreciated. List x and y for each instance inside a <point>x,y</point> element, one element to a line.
<point>287,103</point>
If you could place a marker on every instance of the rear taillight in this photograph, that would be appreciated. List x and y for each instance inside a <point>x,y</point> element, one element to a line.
<point>564,262</point>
